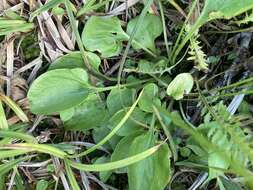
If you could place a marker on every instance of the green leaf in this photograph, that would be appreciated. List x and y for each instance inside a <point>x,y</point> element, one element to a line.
<point>44,148</point>
<point>6,167</point>
<point>45,7</point>
<point>103,34</point>
<point>3,120</point>
<point>150,29</point>
<point>132,125</point>
<point>180,85</point>
<point>74,60</point>
<point>152,173</point>
<point>58,90</point>
<point>119,98</point>
<point>226,9</point>
<point>89,114</point>
<point>122,150</point>
<point>22,116</point>
<point>71,177</point>
<point>150,92</point>
<point>117,164</point>
<point>42,185</point>
<point>100,133</point>
<point>105,175</point>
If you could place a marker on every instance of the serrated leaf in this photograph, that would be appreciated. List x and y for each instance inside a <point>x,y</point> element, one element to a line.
<point>180,85</point>
<point>150,29</point>
<point>103,34</point>
<point>152,173</point>
<point>58,90</point>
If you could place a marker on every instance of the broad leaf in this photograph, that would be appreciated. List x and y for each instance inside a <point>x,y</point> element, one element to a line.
<point>150,29</point>
<point>226,9</point>
<point>150,93</point>
<point>103,34</point>
<point>58,90</point>
<point>119,98</point>
<point>122,150</point>
<point>74,60</point>
<point>42,185</point>
<point>100,133</point>
<point>152,173</point>
<point>180,85</point>
<point>132,125</point>
<point>105,175</point>
<point>89,114</point>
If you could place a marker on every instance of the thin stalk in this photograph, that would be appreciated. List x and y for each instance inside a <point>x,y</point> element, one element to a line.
<point>164,28</point>
<point>167,133</point>
<point>138,24</point>
<point>80,44</point>
<point>183,28</point>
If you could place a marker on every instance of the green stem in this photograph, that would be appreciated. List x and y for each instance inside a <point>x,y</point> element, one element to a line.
<point>164,29</point>
<point>113,132</point>
<point>138,24</point>
<point>80,44</point>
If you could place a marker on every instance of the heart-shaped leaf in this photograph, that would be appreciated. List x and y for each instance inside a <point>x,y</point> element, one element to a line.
<point>180,85</point>
<point>150,29</point>
<point>103,34</point>
<point>58,90</point>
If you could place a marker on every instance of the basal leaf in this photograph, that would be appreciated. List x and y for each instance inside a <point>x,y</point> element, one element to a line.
<point>74,60</point>
<point>132,125</point>
<point>152,173</point>
<point>100,133</point>
<point>103,34</point>
<point>119,98</point>
<point>42,185</point>
<point>58,90</point>
<point>122,150</point>
<point>226,9</point>
<point>105,175</point>
<point>180,85</point>
<point>150,93</point>
<point>87,115</point>
<point>150,29</point>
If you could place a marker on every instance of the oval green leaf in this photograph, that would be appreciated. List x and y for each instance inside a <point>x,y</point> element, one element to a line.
<point>103,34</point>
<point>58,90</point>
